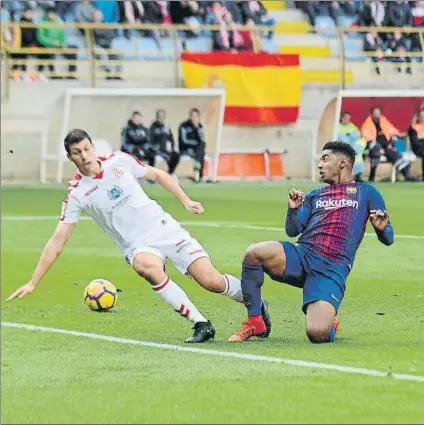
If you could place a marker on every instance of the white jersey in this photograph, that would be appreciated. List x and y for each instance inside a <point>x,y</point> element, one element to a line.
<point>117,203</point>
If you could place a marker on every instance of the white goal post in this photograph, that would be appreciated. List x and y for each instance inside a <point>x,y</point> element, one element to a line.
<point>103,112</point>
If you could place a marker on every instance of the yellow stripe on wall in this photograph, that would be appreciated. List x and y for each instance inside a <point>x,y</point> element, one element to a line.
<point>245,86</point>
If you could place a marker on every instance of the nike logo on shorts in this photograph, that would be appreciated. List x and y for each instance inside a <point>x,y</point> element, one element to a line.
<point>334,297</point>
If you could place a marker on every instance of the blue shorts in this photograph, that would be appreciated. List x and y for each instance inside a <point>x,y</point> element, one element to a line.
<point>321,279</point>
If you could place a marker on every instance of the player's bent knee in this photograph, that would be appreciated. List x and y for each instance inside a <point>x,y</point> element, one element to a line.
<point>152,274</point>
<point>252,254</point>
<point>318,334</point>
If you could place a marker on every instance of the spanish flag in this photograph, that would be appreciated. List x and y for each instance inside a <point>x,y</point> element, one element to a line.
<point>261,88</point>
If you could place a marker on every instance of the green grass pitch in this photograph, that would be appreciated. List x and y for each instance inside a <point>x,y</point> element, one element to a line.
<point>59,378</point>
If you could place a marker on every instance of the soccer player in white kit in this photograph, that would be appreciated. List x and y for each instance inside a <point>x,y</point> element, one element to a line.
<point>107,189</point>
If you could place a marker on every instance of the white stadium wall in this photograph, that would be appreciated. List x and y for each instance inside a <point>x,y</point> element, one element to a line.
<point>34,110</point>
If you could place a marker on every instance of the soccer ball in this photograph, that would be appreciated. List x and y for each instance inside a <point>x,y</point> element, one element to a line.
<point>100,295</point>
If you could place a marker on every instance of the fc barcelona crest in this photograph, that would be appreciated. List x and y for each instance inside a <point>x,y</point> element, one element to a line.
<point>351,190</point>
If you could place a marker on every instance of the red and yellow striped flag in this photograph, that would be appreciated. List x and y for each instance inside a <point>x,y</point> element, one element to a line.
<point>261,88</point>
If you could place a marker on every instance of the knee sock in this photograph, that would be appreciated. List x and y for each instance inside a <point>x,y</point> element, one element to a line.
<point>251,283</point>
<point>232,288</point>
<point>176,298</point>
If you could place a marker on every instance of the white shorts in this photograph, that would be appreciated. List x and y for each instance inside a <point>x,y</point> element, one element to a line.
<point>181,248</point>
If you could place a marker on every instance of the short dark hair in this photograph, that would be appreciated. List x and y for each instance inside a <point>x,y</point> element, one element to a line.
<point>341,148</point>
<point>136,113</point>
<point>374,108</point>
<point>194,110</point>
<point>159,111</point>
<point>75,136</point>
<point>346,113</point>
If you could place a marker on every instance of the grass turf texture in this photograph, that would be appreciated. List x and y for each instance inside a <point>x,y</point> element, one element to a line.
<point>51,378</point>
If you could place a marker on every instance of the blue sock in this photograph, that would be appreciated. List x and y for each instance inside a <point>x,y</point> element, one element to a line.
<point>252,278</point>
<point>332,334</point>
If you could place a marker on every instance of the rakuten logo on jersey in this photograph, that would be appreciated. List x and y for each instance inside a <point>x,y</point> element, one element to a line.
<point>330,204</point>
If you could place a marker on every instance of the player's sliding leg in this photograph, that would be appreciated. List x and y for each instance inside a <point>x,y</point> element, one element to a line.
<point>151,267</point>
<point>321,322</point>
<point>207,276</point>
<point>265,256</point>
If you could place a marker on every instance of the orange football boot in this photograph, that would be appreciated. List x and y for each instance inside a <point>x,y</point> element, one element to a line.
<point>254,326</point>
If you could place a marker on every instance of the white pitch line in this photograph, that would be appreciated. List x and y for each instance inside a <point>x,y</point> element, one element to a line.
<point>253,357</point>
<point>213,224</point>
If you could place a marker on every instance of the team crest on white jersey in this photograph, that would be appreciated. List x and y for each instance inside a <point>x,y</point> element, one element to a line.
<point>114,193</point>
<point>119,172</point>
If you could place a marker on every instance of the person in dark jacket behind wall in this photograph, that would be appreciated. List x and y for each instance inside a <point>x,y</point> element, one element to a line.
<point>191,141</point>
<point>162,139</point>
<point>28,40</point>
<point>416,137</point>
<point>136,140</point>
<point>103,38</point>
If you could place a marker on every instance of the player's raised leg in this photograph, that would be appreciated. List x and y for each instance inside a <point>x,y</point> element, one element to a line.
<point>151,267</point>
<point>206,275</point>
<point>260,257</point>
<point>321,322</point>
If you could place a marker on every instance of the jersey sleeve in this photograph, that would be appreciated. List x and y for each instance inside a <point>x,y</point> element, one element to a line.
<point>376,202</point>
<point>138,169</point>
<point>71,209</point>
<point>297,219</point>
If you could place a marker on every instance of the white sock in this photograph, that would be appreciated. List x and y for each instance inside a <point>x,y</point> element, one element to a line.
<point>172,294</point>
<point>232,288</point>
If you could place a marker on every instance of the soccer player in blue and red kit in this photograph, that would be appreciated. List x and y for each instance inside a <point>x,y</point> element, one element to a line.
<point>331,221</point>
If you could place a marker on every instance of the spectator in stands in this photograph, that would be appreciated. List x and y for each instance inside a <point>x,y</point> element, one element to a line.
<point>381,136</point>
<point>64,7</point>
<point>339,9</point>
<point>349,133</point>
<point>191,140</point>
<point>235,11</point>
<point>418,21</point>
<point>133,12</point>
<point>84,13</point>
<point>215,13</point>
<point>14,8</point>
<point>135,139</point>
<point>109,11</point>
<point>190,13</point>
<point>162,139</point>
<point>52,35</point>
<point>399,14</point>
<point>28,41</point>
<point>256,11</point>
<point>310,8</point>
<point>399,44</point>
<point>229,37</point>
<point>373,14</point>
<point>416,137</point>
<point>374,43</point>
<point>103,38</point>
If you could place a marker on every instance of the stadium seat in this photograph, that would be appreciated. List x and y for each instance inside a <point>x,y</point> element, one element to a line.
<point>325,26</point>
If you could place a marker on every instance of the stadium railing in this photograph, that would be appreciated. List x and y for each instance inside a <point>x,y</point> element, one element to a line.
<point>337,58</point>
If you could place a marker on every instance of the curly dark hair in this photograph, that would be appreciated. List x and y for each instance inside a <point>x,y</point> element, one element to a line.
<point>341,148</point>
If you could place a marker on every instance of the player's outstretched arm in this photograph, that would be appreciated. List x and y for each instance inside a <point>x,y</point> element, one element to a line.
<point>380,221</point>
<point>50,252</point>
<point>168,183</point>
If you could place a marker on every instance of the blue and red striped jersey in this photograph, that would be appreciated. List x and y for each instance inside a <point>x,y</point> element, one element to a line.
<point>332,220</point>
